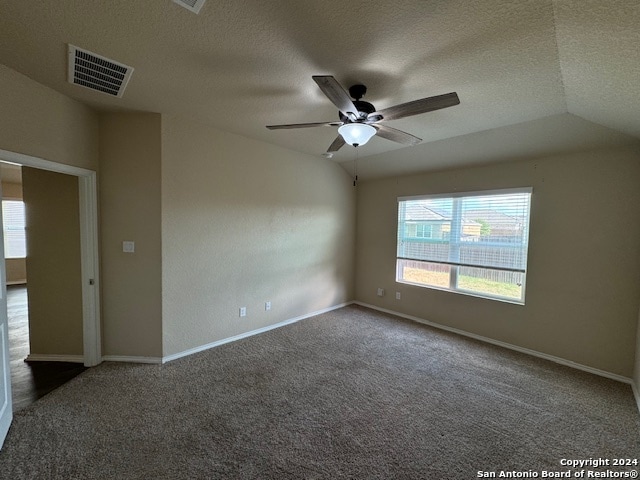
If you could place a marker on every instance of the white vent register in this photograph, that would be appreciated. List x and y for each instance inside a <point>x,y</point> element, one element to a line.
<point>193,5</point>
<point>98,73</point>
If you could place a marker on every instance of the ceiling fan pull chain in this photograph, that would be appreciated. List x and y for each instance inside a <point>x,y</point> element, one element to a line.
<point>355,168</point>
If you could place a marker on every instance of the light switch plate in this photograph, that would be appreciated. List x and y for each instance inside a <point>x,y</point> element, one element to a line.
<point>128,247</point>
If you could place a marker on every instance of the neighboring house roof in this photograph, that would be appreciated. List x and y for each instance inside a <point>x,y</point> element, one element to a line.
<point>416,212</point>
<point>420,213</point>
<point>495,218</point>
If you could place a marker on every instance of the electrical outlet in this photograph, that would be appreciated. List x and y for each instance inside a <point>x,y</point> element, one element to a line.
<point>381,292</point>
<point>267,306</point>
<point>398,295</point>
<point>243,311</point>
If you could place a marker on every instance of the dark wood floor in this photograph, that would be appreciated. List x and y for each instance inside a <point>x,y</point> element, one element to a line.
<point>30,380</point>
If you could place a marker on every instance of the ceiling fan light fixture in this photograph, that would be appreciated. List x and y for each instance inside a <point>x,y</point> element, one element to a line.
<point>356,134</point>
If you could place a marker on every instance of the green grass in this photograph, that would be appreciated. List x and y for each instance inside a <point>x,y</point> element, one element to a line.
<point>474,284</point>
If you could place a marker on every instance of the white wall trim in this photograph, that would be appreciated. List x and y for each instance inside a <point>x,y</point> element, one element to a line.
<point>258,331</point>
<point>44,357</point>
<point>89,266</point>
<point>131,359</point>
<point>6,405</point>
<point>37,162</point>
<point>561,361</point>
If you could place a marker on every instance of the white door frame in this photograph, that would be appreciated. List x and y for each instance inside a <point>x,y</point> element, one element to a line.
<point>89,261</point>
<point>6,405</point>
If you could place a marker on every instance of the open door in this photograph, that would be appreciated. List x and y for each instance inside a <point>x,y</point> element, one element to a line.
<point>6,411</point>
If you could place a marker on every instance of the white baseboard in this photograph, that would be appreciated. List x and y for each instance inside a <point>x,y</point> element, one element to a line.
<point>40,357</point>
<point>131,359</point>
<point>217,343</point>
<point>559,360</point>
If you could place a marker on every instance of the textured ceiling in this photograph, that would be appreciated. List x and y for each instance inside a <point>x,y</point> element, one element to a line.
<point>241,65</point>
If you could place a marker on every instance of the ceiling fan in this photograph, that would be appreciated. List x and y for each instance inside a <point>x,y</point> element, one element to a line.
<point>359,120</point>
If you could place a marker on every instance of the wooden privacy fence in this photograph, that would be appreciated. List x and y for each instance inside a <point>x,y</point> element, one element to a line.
<point>499,256</point>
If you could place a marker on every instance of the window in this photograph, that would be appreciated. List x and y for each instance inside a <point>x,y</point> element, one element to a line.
<point>474,243</point>
<point>15,245</point>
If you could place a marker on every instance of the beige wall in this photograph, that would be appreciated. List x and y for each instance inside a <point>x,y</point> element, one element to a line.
<point>16,270</point>
<point>244,222</point>
<point>53,262</point>
<point>129,185</point>
<point>11,191</point>
<point>40,122</point>
<point>584,263</point>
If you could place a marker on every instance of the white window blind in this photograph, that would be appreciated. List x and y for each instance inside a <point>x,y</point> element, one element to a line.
<point>473,242</point>
<point>14,229</point>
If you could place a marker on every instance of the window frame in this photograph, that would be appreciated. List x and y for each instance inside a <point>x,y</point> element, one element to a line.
<point>454,267</point>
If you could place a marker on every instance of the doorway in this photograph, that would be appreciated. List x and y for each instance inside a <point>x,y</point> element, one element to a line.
<point>89,264</point>
<point>45,314</point>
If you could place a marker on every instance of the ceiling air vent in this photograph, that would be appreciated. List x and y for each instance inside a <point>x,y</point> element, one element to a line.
<point>193,5</point>
<point>97,73</point>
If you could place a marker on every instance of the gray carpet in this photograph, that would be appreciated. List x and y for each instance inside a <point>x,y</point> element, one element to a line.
<point>351,394</point>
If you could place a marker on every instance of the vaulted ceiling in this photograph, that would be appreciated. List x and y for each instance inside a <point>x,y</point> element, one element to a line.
<point>534,77</point>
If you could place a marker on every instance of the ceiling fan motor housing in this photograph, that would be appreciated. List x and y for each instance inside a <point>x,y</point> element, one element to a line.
<point>364,108</point>
<point>357,91</point>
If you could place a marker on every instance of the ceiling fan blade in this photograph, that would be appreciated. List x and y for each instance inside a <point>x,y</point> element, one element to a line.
<point>338,95</point>
<point>396,135</point>
<point>337,144</point>
<point>305,125</point>
<point>419,106</point>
